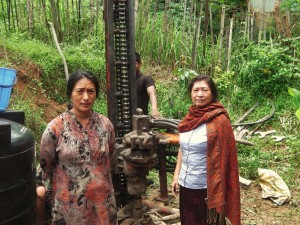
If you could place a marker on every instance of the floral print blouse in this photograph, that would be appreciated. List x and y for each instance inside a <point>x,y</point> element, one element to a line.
<point>77,160</point>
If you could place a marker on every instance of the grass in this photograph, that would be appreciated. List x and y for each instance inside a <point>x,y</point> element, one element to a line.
<point>33,114</point>
<point>283,157</point>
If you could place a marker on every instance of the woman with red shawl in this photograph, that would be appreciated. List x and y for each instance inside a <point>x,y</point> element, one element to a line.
<point>206,173</point>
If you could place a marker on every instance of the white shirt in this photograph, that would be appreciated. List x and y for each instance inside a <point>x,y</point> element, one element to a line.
<point>193,145</point>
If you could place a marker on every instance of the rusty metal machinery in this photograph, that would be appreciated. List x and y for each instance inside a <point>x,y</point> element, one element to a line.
<point>140,144</point>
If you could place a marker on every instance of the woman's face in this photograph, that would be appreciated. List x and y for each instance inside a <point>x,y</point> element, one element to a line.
<point>83,96</point>
<point>201,94</point>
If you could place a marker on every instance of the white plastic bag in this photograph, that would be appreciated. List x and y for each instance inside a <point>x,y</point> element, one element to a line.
<point>273,186</point>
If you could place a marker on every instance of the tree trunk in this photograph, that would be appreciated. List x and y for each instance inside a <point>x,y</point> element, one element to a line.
<point>8,7</point>
<point>59,21</point>
<point>196,39</point>
<point>97,16</point>
<point>4,18</point>
<point>140,18</point>
<point>79,20</point>
<point>212,43</point>
<point>92,17</point>
<point>67,28</point>
<point>30,22</point>
<point>229,44</point>
<point>44,9</point>
<point>191,18</point>
<point>54,14</point>
<point>59,51</point>
<point>221,34</point>
<point>16,13</point>
<point>205,28</point>
<point>183,22</point>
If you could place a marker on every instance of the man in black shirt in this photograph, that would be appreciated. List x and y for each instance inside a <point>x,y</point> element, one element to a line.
<point>145,88</point>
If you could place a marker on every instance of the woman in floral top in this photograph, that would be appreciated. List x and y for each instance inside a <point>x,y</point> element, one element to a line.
<point>75,153</point>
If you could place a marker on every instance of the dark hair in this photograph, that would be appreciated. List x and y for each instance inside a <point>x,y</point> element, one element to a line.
<point>210,83</point>
<point>76,76</point>
<point>138,58</point>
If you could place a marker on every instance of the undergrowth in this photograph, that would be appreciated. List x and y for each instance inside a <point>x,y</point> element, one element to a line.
<point>283,156</point>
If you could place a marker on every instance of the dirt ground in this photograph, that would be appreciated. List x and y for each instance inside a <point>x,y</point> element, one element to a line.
<point>255,210</point>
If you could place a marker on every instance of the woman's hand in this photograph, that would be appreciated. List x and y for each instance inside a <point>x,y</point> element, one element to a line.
<point>175,186</point>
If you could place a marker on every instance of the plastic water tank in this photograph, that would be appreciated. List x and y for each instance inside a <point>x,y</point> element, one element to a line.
<point>17,174</point>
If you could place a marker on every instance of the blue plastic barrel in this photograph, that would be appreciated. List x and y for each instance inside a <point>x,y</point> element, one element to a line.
<point>8,79</point>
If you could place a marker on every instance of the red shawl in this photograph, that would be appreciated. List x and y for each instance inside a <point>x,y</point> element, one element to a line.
<point>223,191</point>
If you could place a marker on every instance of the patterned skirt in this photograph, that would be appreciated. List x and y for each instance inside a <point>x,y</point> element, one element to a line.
<point>193,209</point>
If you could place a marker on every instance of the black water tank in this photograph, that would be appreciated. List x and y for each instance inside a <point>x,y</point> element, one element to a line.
<point>17,174</point>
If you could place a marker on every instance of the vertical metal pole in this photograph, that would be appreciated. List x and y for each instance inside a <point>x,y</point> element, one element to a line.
<point>163,184</point>
<point>110,62</point>
<point>131,56</point>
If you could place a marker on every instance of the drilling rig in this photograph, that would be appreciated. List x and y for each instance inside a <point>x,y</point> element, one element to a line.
<point>141,143</point>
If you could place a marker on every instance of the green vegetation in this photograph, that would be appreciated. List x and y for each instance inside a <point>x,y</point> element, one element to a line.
<point>267,73</point>
<point>296,98</point>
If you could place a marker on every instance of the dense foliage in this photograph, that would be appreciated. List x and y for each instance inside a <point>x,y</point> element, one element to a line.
<point>251,71</point>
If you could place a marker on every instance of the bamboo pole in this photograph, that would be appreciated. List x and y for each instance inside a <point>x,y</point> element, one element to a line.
<point>212,43</point>
<point>221,34</point>
<point>205,29</point>
<point>264,20</point>
<point>248,22</point>
<point>251,30</point>
<point>196,39</point>
<point>140,13</point>
<point>260,27</point>
<point>183,22</point>
<point>229,44</point>
<point>153,27</point>
<point>59,51</point>
<point>191,18</point>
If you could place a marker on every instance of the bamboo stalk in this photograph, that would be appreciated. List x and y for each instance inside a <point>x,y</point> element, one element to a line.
<point>248,22</point>
<point>205,28</point>
<point>196,39</point>
<point>252,25</point>
<point>229,44</point>
<point>264,20</point>
<point>59,51</point>
<point>183,22</point>
<point>221,34</point>
<point>212,43</point>
<point>260,27</point>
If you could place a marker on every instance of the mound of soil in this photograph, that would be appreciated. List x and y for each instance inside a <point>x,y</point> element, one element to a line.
<point>28,84</point>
